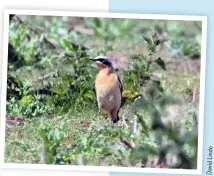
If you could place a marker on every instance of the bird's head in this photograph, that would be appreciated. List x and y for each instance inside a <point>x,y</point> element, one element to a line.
<point>103,62</point>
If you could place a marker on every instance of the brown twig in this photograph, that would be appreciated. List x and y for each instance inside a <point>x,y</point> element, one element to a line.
<point>126,142</point>
<point>194,94</point>
<point>125,98</point>
<point>47,40</point>
<point>44,152</point>
<point>48,75</point>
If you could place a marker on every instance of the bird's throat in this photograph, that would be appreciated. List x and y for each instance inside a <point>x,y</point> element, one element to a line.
<point>106,70</point>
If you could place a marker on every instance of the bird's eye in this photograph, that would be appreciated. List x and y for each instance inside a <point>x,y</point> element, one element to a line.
<point>105,62</point>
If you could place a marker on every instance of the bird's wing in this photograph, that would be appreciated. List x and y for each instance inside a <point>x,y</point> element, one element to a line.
<point>94,90</point>
<point>120,85</point>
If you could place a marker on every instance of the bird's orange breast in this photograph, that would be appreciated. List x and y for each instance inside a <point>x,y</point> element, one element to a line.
<point>106,81</point>
<point>108,92</point>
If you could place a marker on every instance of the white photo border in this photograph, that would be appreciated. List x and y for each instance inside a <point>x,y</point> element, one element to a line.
<point>203,19</point>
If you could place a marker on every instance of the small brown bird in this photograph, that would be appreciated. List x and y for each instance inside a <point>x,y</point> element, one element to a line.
<point>108,87</point>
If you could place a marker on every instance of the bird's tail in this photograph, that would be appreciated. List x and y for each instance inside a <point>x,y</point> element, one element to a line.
<point>114,117</point>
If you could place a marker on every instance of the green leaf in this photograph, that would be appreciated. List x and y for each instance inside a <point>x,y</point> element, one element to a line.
<point>161,63</point>
<point>167,100</point>
<point>142,152</point>
<point>97,22</point>
<point>147,39</point>
<point>26,100</point>
<point>68,45</point>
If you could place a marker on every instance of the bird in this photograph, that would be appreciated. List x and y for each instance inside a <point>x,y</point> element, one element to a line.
<point>108,88</point>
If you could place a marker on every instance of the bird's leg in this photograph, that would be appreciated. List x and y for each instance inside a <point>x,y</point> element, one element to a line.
<point>99,115</point>
<point>114,116</point>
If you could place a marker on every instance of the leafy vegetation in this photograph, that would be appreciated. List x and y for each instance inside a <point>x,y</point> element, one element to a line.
<point>51,107</point>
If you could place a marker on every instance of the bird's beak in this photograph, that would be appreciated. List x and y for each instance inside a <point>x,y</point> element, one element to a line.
<point>92,59</point>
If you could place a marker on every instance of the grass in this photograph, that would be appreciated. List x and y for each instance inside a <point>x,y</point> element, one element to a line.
<point>68,121</point>
<point>28,133</point>
<point>78,122</point>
